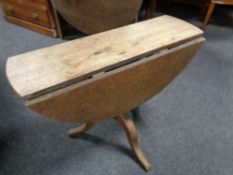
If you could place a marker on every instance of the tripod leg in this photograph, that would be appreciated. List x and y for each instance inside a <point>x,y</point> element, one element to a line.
<point>83,128</point>
<point>131,132</point>
<point>208,15</point>
<point>150,9</point>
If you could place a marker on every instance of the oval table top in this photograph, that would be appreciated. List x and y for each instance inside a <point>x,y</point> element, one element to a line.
<point>44,70</point>
<point>94,16</point>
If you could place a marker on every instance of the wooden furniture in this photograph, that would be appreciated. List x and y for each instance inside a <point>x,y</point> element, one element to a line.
<point>96,16</point>
<point>32,14</point>
<point>150,10</point>
<point>105,75</point>
<point>211,9</point>
<point>64,29</point>
<point>71,15</point>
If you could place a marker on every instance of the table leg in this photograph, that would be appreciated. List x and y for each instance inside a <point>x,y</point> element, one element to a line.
<point>150,9</point>
<point>208,15</point>
<point>131,132</point>
<point>58,23</point>
<point>83,128</point>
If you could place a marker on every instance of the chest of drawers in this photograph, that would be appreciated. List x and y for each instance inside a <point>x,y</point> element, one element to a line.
<point>33,14</point>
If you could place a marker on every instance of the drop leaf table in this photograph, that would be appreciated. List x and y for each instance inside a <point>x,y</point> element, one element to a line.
<point>94,16</point>
<point>105,75</point>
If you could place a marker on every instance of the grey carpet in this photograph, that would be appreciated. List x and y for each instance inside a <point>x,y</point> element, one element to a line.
<point>186,129</point>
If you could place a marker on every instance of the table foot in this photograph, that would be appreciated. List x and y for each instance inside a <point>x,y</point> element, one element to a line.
<point>131,132</point>
<point>83,128</point>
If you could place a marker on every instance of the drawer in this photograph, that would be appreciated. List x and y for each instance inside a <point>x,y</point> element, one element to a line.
<point>32,15</point>
<point>32,4</point>
<point>40,1</point>
<point>31,26</point>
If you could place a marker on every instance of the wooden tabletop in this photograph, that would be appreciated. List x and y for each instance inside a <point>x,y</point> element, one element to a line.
<point>51,68</point>
<point>94,16</point>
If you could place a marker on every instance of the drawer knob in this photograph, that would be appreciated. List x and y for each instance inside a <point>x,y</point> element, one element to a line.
<point>10,9</point>
<point>34,15</point>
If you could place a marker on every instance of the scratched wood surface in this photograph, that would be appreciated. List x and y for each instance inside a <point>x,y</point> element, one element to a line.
<point>115,92</point>
<point>93,16</point>
<point>42,71</point>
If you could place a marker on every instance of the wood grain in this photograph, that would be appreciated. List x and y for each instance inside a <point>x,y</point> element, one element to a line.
<point>30,4</point>
<point>105,75</point>
<point>94,16</point>
<point>81,129</point>
<point>223,2</point>
<point>31,26</point>
<point>45,70</point>
<point>33,15</point>
<point>131,133</point>
<point>115,92</point>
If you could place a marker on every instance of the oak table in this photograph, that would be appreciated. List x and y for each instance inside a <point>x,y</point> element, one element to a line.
<point>97,16</point>
<point>94,16</point>
<point>105,75</point>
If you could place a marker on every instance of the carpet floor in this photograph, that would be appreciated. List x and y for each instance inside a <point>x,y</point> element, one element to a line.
<point>187,129</point>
